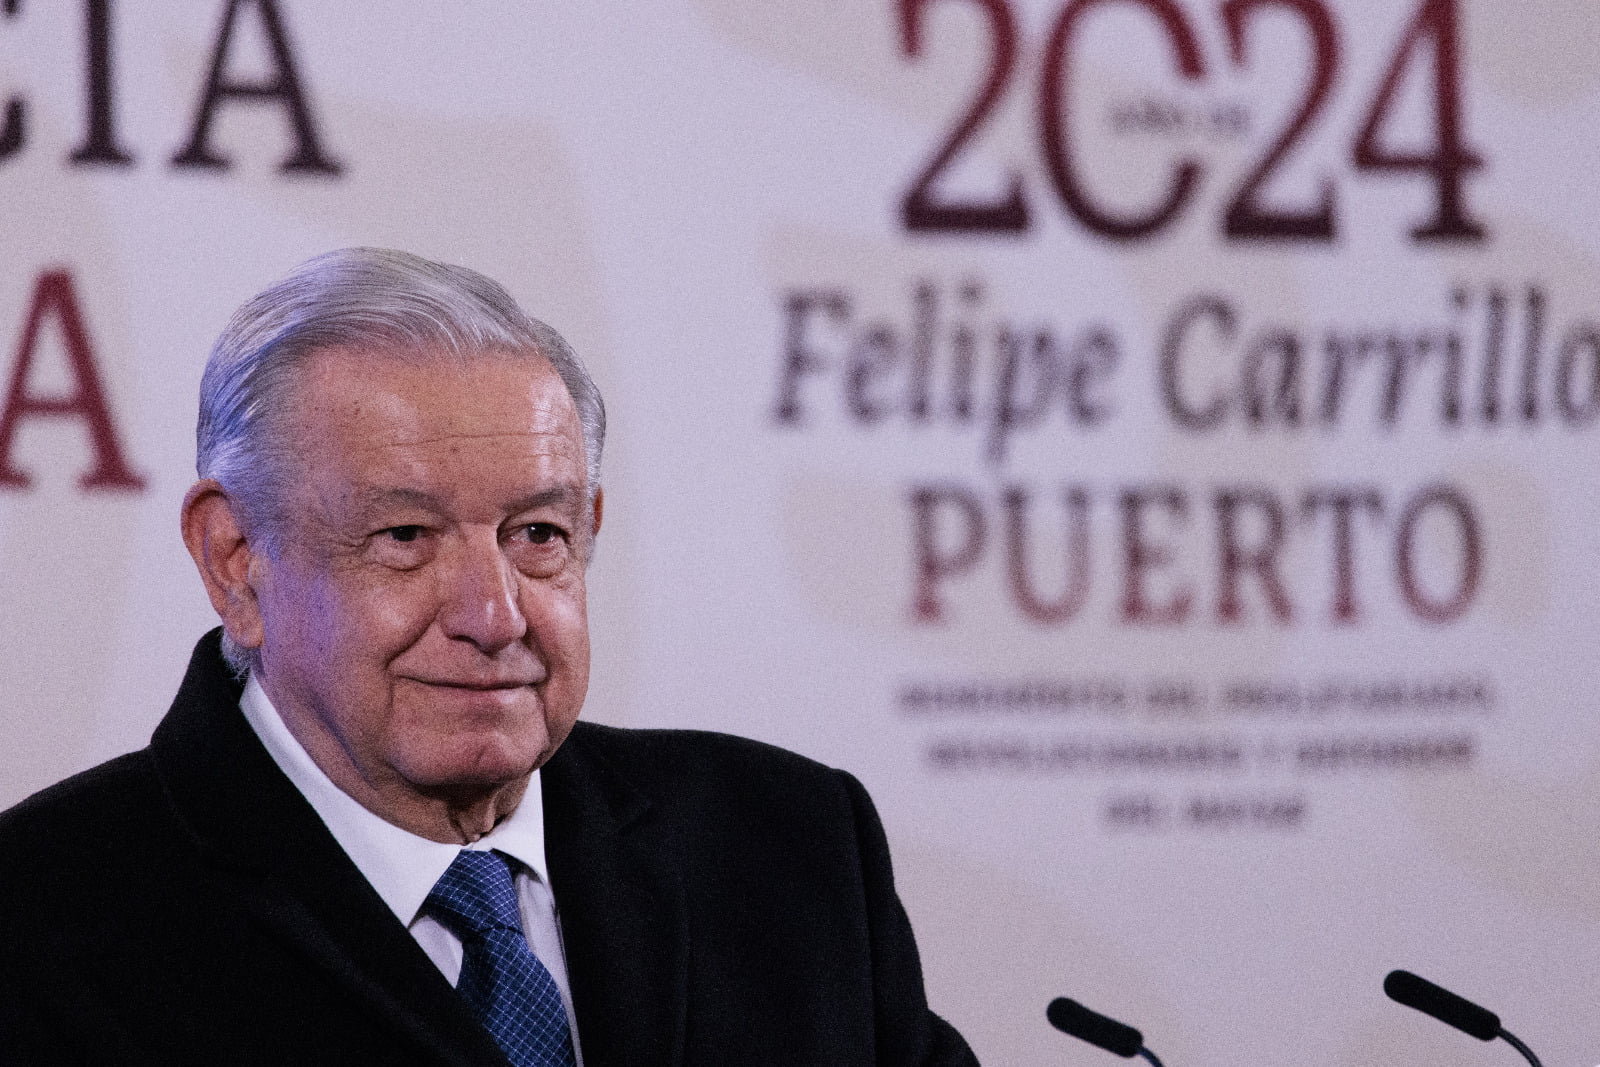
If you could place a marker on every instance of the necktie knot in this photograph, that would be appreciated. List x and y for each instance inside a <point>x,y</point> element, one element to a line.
<point>475,895</point>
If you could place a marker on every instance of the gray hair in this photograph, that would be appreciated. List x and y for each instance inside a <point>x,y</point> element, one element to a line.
<point>381,302</point>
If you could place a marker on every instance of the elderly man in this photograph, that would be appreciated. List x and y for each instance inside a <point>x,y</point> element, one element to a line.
<point>371,828</point>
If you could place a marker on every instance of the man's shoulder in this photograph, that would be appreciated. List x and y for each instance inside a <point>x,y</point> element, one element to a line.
<point>82,802</point>
<point>94,821</point>
<point>131,791</point>
<point>654,741</point>
<point>708,791</point>
<point>702,759</point>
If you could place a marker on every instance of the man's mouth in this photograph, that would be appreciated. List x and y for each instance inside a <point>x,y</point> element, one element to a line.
<point>479,685</point>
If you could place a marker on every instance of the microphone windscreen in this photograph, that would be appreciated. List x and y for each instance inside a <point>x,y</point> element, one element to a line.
<point>1073,1018</point>
<point>1421,994</point>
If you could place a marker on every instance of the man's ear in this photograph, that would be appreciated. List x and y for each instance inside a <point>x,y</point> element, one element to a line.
<point>216,540</point>
<point>597,513</point>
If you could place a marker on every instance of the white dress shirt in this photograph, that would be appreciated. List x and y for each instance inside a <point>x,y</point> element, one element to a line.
<point>403,867</point>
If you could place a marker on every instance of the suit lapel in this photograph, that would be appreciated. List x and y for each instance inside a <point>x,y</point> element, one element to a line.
<point>623,921</point>
<point>255,828</point>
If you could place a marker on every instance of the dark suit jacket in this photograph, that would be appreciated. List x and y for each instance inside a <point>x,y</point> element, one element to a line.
<point>721,902</point>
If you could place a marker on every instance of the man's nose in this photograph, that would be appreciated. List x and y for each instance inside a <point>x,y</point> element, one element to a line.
<point>480,596</point>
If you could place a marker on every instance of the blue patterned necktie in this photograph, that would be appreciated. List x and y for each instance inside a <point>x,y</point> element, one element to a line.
<point>502,980</point>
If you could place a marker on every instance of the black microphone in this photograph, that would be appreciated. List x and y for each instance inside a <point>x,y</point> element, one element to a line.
<point>1406,988</point>
<point>1073,1018</point>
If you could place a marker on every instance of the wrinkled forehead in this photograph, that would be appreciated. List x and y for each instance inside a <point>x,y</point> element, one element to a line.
<point>432,391</point>
<point>490,426</point>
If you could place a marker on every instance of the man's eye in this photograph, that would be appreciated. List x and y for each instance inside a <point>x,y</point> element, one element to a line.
<point>541,533</point>
<point>404,534</point>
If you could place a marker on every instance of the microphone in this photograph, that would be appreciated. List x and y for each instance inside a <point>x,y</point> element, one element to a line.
<point>1403,987</point>
<point>1073,1018</point>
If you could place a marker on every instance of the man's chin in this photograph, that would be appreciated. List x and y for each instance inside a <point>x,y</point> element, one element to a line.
<point>490,765</point>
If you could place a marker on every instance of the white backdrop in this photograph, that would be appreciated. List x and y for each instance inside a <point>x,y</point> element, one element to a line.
<point>1206,595</point>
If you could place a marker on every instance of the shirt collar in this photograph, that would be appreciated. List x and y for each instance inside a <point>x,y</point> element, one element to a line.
<point>401,866</point>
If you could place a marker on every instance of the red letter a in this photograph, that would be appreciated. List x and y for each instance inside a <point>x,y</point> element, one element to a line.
<point>55,294</point>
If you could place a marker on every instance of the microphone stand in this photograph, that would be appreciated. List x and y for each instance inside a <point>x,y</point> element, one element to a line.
<point>1511,1039</point>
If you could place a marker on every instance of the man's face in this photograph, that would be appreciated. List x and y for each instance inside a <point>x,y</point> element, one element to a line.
<point>424,621</point>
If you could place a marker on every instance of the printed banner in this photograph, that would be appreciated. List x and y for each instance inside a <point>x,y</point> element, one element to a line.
<point>1149,442</point>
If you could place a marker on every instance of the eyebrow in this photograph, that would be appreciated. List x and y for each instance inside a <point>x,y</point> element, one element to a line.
<point>378,496</point>
<point>566,494</point>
